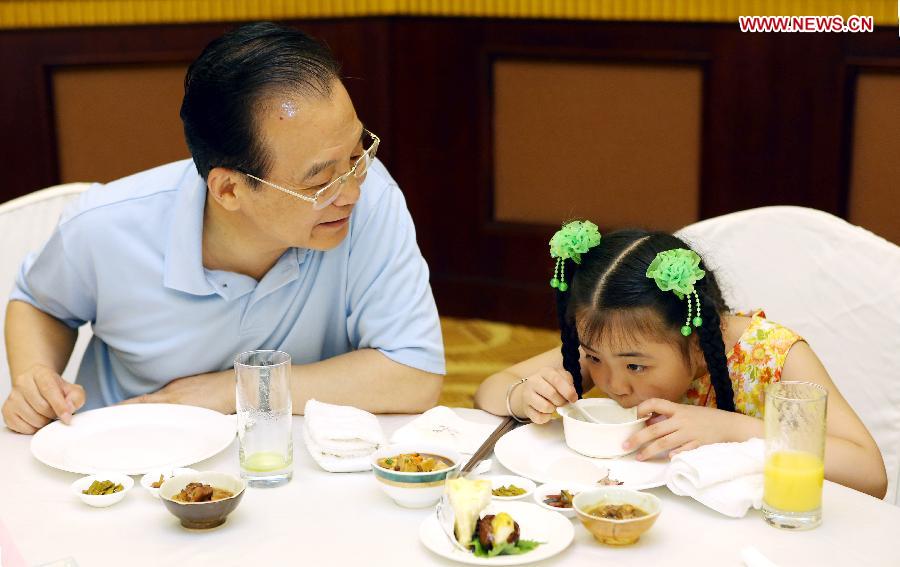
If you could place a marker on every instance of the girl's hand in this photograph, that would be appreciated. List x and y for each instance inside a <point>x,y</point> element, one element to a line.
<point>542,393</point>
<point>679,427</point>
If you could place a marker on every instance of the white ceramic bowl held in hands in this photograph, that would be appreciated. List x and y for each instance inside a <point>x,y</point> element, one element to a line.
<point>601,440</point>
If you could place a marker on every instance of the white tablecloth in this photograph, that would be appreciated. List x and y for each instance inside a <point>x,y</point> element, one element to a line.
<point>322,519</point>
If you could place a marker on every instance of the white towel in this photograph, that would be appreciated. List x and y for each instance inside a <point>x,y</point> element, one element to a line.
<point>341,438</point>
<point>441,425</point>
<point>727,477</point>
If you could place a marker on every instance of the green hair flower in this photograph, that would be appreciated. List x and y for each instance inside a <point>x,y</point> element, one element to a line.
<point>676,271</point>
<point>569,243</point>
<point>574,239</point>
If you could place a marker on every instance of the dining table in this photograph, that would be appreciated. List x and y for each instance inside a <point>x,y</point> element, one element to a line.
<point>322,518</point>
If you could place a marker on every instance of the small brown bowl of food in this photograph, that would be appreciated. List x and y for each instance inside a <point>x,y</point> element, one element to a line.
<point>202,500</point>
<point>616,516</point>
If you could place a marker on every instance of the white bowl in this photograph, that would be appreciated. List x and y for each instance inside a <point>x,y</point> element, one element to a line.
<point>102,500</point>
<point>545,490</point>
<point>153,476</point>
<point>419,489</point>
<point>601,440</point>
<point>507,479</point>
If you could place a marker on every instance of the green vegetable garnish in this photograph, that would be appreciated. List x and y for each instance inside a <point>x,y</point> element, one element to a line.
<point>504,548</point>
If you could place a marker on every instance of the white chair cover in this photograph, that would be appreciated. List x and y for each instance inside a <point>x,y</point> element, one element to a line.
<point>26,224</point>
<point>835,284</point>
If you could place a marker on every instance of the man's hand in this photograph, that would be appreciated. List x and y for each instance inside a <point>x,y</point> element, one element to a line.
<point>214,391</point>
<point>679,427</point>
<point>38,396</point>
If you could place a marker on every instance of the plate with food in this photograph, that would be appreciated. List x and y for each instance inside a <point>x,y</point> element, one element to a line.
<point>558,497</point>
<point>540,452</point>
<point>134,439</point>
<point>470,527</point>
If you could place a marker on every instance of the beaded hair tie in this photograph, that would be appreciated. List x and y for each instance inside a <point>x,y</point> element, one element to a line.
<point>569,243</point>
<point>677,271</point>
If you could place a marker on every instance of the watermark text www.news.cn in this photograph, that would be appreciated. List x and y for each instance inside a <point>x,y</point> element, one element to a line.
<point>808,24</point>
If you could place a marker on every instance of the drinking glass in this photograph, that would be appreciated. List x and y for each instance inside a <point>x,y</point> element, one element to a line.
<point>795,454</point>
<point>264,417</point>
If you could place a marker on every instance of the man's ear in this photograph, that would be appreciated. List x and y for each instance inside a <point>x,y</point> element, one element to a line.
<point>224,187</point>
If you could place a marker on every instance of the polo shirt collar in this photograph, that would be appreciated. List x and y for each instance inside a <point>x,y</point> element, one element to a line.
<point>184,250</point>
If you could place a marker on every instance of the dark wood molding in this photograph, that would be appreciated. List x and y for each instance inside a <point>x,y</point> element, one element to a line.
<point>777,120</point>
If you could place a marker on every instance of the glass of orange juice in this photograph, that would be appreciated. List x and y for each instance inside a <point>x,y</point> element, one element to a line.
<point>795,454</point>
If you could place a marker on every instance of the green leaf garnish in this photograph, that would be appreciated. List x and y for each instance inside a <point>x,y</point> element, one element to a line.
<point>504,548</point>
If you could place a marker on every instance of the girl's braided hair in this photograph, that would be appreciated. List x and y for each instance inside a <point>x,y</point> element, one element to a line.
<point>609,288</point>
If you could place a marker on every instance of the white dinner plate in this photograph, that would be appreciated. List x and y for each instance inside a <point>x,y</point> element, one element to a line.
<point>554,531</point>
<point>134,439</point>
<point>539,452</point>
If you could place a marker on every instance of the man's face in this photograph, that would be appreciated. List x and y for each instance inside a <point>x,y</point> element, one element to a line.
<point>311,140</point>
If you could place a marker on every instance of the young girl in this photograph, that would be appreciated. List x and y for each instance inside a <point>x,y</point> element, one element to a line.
<point>643,320</point>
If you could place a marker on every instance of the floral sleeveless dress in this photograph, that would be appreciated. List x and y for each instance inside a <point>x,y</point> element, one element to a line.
<point>755,361</point>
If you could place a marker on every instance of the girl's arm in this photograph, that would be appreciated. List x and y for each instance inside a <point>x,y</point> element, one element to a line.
<point>851,456</point>
<point>540,369</point>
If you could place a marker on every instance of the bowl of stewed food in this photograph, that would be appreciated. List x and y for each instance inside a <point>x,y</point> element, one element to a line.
<point>413,475</point>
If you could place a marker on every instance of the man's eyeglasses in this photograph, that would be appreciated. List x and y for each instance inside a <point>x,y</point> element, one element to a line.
<point>323,197</point>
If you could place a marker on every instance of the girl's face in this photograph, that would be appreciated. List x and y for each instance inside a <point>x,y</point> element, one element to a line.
<point>636,369</point>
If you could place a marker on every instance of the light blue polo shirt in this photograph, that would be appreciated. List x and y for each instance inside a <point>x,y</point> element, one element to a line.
<point>127,258</point>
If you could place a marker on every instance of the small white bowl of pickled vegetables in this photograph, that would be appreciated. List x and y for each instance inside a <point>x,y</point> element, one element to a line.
<point>413,475</point>
<point>509,487</point>
<point>102,490</point>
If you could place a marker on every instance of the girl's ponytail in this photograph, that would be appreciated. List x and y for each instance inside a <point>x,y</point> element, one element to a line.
<point>568,332</point>
<point>711,343</point>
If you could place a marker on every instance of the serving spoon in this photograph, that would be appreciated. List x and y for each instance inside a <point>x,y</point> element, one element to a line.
<point>585,416</point>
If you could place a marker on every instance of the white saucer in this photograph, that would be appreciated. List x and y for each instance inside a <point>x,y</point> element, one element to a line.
<point>539,452</point>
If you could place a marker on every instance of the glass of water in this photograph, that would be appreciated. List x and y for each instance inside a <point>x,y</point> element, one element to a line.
<point>264,417</point>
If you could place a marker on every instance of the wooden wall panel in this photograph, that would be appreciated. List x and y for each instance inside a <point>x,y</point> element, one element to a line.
<point>776,125</point>
<point>875,177</point>
<point>618,144</point>
<point>112,121</point>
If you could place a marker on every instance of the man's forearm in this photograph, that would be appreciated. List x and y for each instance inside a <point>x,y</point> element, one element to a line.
<point>365,379</point>
<point>34,337</point>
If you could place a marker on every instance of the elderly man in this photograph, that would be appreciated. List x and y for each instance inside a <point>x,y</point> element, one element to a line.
<point>283,232</point>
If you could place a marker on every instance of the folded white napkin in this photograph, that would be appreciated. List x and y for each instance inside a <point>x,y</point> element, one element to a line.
<point>727,477</point>
<point>341,438</point>
<point>441,425</point>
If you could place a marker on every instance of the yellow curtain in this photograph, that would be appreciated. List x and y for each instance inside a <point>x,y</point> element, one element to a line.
<point>61,13</point>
